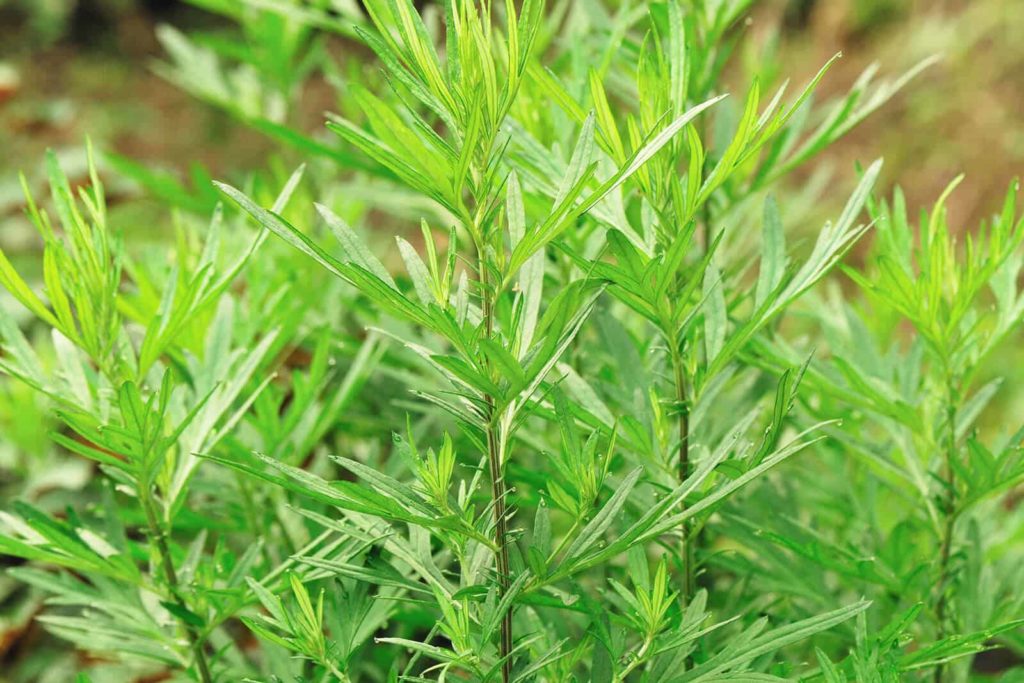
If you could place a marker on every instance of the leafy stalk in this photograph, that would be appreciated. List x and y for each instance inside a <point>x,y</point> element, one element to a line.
<point>499,492</point>
<point>948,477</point>
<point>158,534</point>
<point>684,471</point>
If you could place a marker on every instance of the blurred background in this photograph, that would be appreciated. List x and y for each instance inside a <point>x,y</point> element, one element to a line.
<point>74,67</point>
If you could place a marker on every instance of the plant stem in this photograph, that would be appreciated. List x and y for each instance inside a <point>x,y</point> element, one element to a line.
<point>337,673</point>
<point>949,512</point>
<point>498,490</point>
<point>158,532</point>
<point>636,659</point>
<point>684,471</point>
<point>690,541</point>
<point>569,537</point>
<point>705,221</point>
<point>940,605</point>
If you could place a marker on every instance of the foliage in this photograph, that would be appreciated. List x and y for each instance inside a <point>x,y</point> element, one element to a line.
<point>571,428</point>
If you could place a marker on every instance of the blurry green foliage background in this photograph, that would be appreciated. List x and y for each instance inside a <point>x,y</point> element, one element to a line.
<point>74,67</point>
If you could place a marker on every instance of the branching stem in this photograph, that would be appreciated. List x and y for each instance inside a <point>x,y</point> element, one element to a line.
<point>636,659</point>
<point>158,532</point>
<point>337,673</point>
<point>684,470</point>
<point>949,514</point>
<point>495,459</point>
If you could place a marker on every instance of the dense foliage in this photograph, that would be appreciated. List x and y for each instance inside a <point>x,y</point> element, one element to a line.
<point>605,411</point>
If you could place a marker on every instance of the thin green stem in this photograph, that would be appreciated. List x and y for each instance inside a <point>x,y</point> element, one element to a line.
<point>568,538</point>
<point>949,514</point>
<point>158,532</point>
<point>684,469</point>
<point>498,489</point>
<point>636,660</point>
<point>337,673</point>
<point>705,225</point>
<point>501,555</point>
<point>690,537</point>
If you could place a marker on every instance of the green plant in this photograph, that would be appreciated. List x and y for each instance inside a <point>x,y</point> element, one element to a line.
<point>908,360</point>
<point>552,434</point>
